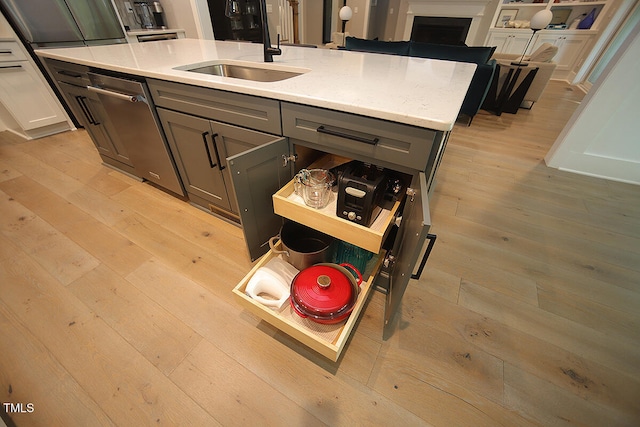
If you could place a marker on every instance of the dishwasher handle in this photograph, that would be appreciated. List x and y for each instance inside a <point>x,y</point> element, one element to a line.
<point>122,96</point>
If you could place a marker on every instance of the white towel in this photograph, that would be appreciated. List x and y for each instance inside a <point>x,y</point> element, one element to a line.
<point>273,280</point>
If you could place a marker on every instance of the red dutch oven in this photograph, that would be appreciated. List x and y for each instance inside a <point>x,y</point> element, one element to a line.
<point>325,293</point>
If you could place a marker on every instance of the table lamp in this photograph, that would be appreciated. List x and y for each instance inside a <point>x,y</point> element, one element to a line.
<point>345,15</point>
<point>538,22</point>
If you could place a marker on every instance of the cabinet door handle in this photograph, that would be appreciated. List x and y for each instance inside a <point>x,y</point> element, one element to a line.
<point>70,74</point>
<point>370,141</point>
<point>432,241</point>
<point>6,52</point>
<point>215,149</point>
<point>6,67</point>
<point>206,147</point>
<point>85,109</point>
<point>171,36</point>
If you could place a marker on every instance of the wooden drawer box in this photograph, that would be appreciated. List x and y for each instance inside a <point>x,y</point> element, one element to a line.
<point>10,51</point>
<point>356,136</point>
<point>328,340</point>
<point>288,204</point>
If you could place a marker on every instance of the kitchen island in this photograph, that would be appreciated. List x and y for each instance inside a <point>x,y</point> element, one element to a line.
<point>236,143</point>
<point>414,91</point>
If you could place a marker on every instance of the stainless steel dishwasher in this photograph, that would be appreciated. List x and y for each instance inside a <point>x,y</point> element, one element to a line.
<point>130,112</point>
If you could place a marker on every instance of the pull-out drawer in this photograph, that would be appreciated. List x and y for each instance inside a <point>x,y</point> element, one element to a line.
<point>10,51</point>
<point>328,340</point>
<point>356,136</point>
<point>69,73</point>
<point>238,109</point>
<point>288,204</point>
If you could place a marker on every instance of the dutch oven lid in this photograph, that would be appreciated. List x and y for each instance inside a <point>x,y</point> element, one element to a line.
<point>322,289</point>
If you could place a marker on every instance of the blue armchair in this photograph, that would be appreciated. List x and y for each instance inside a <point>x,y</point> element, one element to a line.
<point>480,55</point>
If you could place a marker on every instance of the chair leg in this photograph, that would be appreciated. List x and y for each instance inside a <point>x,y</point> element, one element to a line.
<point>464,119</point>
<point>527,105</point>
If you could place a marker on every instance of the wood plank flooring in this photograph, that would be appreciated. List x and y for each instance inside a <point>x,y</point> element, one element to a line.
<point>116,304</point>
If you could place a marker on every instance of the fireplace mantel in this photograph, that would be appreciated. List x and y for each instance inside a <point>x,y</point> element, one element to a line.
<point>474,9</point>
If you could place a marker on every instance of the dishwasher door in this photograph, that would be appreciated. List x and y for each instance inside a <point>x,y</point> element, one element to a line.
<point>128,106</point>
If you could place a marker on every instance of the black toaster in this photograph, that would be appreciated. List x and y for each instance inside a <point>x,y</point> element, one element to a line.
<point>361,190</point>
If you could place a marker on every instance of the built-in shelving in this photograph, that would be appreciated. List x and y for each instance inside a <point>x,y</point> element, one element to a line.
<point>521,12</point>
<point>512,34</point>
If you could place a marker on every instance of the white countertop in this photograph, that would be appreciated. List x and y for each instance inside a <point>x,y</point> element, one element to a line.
<point>415,91</point>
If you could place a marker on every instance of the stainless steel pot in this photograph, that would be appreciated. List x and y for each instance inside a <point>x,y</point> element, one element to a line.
<point>303,246</point>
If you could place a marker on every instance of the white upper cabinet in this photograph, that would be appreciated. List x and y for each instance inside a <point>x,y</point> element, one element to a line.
<point>24,93</point>
<point>510,31</point>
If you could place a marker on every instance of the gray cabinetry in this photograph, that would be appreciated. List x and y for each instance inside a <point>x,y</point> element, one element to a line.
<point>393,145</point>
<point>401,242</point>
<point>248,111</point>
<point>237,154</point>
<point>256,175</point>
<point>73,80</point>
<point>409,244</point>
<point>357,136</point>
<point>409,149</point>
<point>192,143</point>
<point>228,162</point>
<point>200,148</point>
<point>205,128</point>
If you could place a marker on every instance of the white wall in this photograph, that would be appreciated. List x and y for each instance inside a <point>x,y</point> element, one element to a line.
<point>311,22</point>
<point>179,13</point>
<point>602,138</point>
<point>200,10</point>
<point>358,26</point>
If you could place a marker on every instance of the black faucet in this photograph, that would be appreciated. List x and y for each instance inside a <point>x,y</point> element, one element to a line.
<point>269,51</point>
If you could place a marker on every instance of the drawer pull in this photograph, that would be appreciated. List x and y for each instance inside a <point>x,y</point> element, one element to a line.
<point>70,74</point>
<point>370,141</point>
<point>206,147</point>
<point>170,36</point>
<point>5,52</point>
<point>6,67</point>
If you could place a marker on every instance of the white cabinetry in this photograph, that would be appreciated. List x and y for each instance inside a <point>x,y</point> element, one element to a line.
<point>571,47</point>
<point>29,105</point>
<point>573,44</point>
<point>508,41</point>
<point>565,12</point>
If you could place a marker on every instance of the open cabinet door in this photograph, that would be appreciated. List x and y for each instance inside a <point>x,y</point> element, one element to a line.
<point>256,175</point>
<point>416,221</point>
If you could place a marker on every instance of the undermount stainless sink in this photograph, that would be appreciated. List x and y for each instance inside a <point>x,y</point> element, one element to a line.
<point>244,72</point>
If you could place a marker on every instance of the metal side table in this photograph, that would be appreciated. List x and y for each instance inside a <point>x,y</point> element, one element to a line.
<point>510,84</point>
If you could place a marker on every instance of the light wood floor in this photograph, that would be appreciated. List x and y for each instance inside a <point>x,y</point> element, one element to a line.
<point>116,304</point>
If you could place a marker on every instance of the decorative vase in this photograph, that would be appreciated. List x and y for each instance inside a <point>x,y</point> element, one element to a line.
<point>587,22</point>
